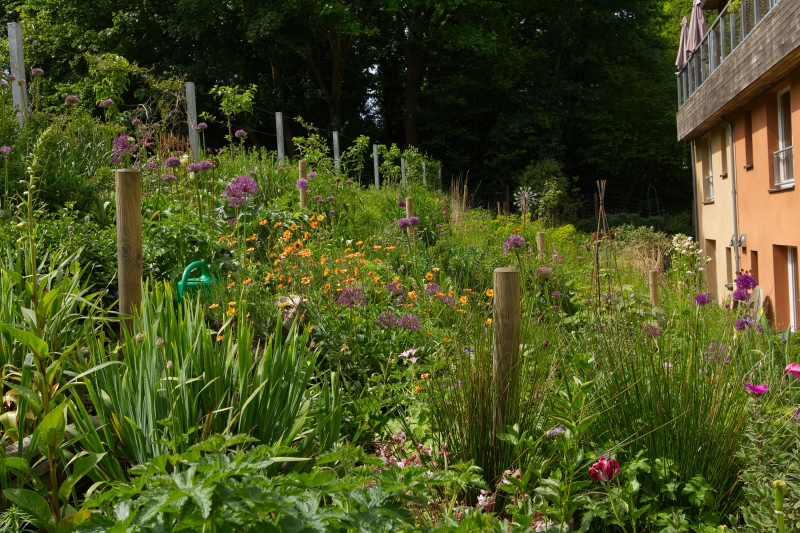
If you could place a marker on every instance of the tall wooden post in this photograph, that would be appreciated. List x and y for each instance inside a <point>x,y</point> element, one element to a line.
<point>129,242</point>
<point>596,207</point>
<point>279,132</point>
<point>403,172</point>
<point>191,113</point>
<point>507,311</point>
<point>499,209</point>
<point>377,167</point>
<point>541,244</point>
<point>336,151</point>
<point>652,278</point>
<point>303,171</point>
<point>409,214</point>
<point>17,63</point>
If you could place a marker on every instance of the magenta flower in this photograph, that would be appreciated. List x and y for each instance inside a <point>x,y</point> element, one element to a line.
<point>702,299</point>
<point>410,351</point>
<point>793,369</point>
<point>302,183</point>
<point>172,162</point>
<point>108,102</point>
<point>168,177</point>
<point>36,72</point>
<point>758,390</point>
<point>604,470</point>
<point>5,150</point>
<point>240,134</point>
<point>200,126</point>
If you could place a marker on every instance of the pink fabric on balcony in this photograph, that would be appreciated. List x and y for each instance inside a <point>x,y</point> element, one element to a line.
<point>683,49</point>
<point>697,28</point>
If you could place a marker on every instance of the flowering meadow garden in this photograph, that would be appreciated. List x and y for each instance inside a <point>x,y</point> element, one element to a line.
<point>336,367</point>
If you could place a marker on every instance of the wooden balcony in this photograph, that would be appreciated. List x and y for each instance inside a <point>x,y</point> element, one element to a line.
<point>745,52</point>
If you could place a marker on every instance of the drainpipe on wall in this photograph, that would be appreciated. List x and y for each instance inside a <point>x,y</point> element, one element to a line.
<point>694,201</point>
<point>732,171</point>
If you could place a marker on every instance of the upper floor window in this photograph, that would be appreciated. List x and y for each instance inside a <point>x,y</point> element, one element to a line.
<point>783,159</point>
<point>708,179</point>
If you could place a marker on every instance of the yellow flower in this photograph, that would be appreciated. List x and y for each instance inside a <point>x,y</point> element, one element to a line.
<point>359,243</point>
<point>429,276</point>
<point>417,389</point>
<point>490,293</point>
<point>277,225</point>
<point>297,245</point>
<point>231,311</point>
<point>213,306</point>
<point>327,287</point>
<point>435,269</point>
<point>488,321</point>
<point>268,276</point>
<point>293,227</point>
<point>320,217</point>
<point>248,281</point>
<point>412,295</point>
<point>250,249</point>
<point>263,223</point>
<point>314,225</point>
<point>305,281</point>
<point>463,299</point>
<point>231,284</point>
<point>326,271</point>
<point>231,304</point>
<point>425,376</point>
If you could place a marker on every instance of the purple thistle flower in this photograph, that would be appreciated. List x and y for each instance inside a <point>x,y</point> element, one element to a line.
<point>312,175</point>
<point>702,299</point>
<point>69,100</point>
<point>240,134</point>
<point>5,150</point>
<point>386,320</point>
<point>555,294</point>
<point>172,162</point>
<point>108,102</point>
<point>432,289</point>
<point>543,272</point>
<point>36,72</point>
<point>168,177</point>
<point>409,322</point>
<point>302,183</point>
<point>352,297</point>
<point>401,203</point>
<point>403,223</point>
<point>349,182</point>
<point>514,242</point>
<point>200,126</point>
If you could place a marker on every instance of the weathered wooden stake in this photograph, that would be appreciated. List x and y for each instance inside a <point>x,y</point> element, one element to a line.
<point>541,244</point>
<point>403,172</point>
<point>129,242</point>
<point>303,174</point>
<point>507,311</point>
<point>377,167</point>
<point>279,131</point>
<point>17,62</point>
<point>409,214</point>
<point>652,278</point>
<point>499,209</point>
<point>596,207</point>
<point>336,151</point>
<point>191,113</point>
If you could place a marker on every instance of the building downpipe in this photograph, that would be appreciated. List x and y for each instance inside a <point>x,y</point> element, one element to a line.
<point>732,171</point>
<point>694,201</point>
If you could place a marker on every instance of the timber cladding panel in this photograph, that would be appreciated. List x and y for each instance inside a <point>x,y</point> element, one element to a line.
<point>769,53</point>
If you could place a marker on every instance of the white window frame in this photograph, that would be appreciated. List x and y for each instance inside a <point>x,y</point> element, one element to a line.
<point>708,181</point>
<point>783,158</point>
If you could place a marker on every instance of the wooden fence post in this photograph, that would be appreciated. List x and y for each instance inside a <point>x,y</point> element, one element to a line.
<point>191,113</point>
<point>507,312</point>
<point>336,151</point>
<point>377,167</point>
<point>541,244</point>
<point>279,132</point>
<point>499,209</point>
<point>652,278</point>
<point>303,171</point>
<point>129,242</point>
<point>403,172</point>
<point>409,214</point>
<point>17,63</point>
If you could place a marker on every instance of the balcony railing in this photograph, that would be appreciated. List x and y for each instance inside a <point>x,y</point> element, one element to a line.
<point>732,27</point>
<point>708,188</point>
<point>784,168</point>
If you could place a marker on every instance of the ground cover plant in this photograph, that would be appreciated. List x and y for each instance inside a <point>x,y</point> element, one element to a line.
<point>338,375</point>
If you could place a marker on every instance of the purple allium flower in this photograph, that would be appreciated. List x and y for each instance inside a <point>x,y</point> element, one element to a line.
<point>555,294</point>
<point>514,242</point>
<point>741,324</point>
<point>36,72</point>
<point>115,159</point>
<point>414,221</point>
<point>386,320</point>
<point>447,300</point>
<point>543,272</point>
<point>554,307</point>
<point>312,175</point>
<point>652,331</point>
<point>302,183</point>
<point>124,145</point>
<point>172,162</point>
<point>200,126</point>
<point>135,122</point>
<point>69,100</point>
<point>556,431</point>
<point>432,289</point>
<point>246,184</point>
<point>5,150</point>
<point>193,168</point>
<point>329,198</point>
<point>349,182</point>
<point>395,288</point>
<point>758,390</point>
<point>352,297</point>
<point>70,228</point>
<point>401,203</point>
<point>4,84</point>
<point>410,351</point>
<point>231,222</point>
<point>741,294</point>
<point>108,102</point>
<point>409,322</point>
<point>319,198</point>
<point>151,165</point>
<point>702,299</point>
<point>403,223</point>
<point>240,134</point>
<point>746,282</point>
<point>168,177</point>
<point>206,165</point>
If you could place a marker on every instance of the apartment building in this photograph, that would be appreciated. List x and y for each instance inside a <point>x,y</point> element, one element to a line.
<point>739,107</point>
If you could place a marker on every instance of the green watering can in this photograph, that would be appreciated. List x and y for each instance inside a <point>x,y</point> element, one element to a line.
<point>203,282</point>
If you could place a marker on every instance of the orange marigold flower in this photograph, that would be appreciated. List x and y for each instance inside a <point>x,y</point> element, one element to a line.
<point>490,293</point>
<point>435,269</point>
<point>293,227</point>
<point>289,280</point>
<point>417,389</point>
<point>213,306</point>
<point>516,230</point>
<point>359,243</point>
<point>231,311</point>
<point>250,249</point>
<point>276,225</point>
<point>248,281</point>
<point>376,247</point>
<point>263,222</point>
<point>429,276</point>
<point>305,281</point>
<point>287,234</point>
<point>219,338</point>
<point>281,277</point>
<point>280,286</point>
<point>231,284</point>
<point>327,287</point>
<point>390,248</point>
<point>231,304</point>
<point>268,276</point>
<point>463,299</point>
<point>314,225</point>
<point>326,271</point>
<point>320,217</point>
<point>297,245</point>
<point>446,339</point>
<point>412,295</point>
<point>425,376</point>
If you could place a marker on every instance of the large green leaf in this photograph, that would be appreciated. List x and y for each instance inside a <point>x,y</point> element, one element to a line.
<point>36,345</point>
<point>80,468</point>
<point>51,429</point>
<point>33,504</point>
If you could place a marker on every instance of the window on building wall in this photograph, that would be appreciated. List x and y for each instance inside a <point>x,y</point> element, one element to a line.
<point>782,159</point>
<point>711,266</point>
<point>708,180</point>
<point>748,140</point>
<point>754,265</point>
<point>729,265</point>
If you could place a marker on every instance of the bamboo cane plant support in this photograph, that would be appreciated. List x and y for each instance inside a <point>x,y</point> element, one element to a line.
<point>541,244</point>
<point>507,322</point>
